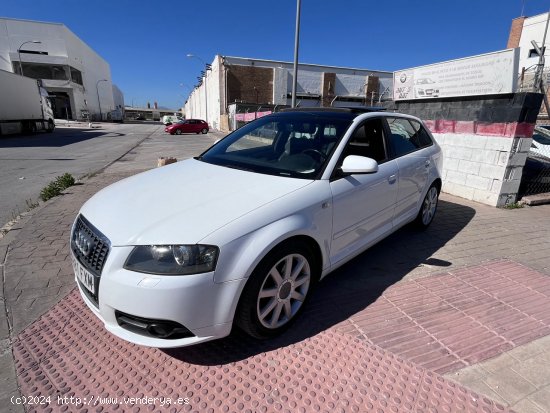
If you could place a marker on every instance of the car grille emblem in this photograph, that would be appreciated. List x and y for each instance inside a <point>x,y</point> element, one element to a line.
<point>84,242</point>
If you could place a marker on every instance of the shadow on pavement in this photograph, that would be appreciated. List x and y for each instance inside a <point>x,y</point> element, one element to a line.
<point>346,291</point>
<point>58,138</point>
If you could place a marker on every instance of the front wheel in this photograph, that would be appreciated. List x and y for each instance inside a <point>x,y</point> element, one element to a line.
<point>178,132</point>
<point>276,291</point>
<point>428,208</point>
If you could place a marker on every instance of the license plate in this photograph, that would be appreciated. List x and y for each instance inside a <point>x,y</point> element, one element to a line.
<point>84,276</point>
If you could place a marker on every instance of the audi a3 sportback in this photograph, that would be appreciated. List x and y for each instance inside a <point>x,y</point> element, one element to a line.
<point>240,234</point>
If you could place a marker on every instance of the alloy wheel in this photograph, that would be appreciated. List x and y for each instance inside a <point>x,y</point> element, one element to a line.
<point>429,206</point>
<point>283,291</point>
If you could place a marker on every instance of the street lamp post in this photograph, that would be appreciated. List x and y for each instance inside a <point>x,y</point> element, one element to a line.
<point>19,53</point>
<point>189,55</point>
<point>296,45</point>
<point>98,99</point>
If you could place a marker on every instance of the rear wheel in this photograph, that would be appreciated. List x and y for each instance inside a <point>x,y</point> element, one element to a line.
<point>178,132</point>
<point>277,290</point>
<point>204,131</point>
<point>428,208</point>
<point>51,126</point>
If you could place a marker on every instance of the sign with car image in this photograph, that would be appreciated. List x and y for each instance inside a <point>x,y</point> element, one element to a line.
<point>486,74</point>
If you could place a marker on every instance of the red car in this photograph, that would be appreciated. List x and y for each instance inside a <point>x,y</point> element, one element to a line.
<point>187,126</point>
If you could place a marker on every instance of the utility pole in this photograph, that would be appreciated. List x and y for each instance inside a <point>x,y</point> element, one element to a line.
<point>296,45</point>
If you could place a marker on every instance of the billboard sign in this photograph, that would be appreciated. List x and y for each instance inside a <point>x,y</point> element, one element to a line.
<point>486,74</point>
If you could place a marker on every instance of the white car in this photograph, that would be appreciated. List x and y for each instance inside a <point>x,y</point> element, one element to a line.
<point>240,235</point>
<point>169,119</point>
<point>541,141</point>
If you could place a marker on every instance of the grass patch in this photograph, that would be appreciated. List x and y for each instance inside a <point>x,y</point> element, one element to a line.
<point>515,205</point>
<point>57,186</point>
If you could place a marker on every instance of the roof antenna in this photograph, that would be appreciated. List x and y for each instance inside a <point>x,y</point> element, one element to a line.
<point>522,8</point>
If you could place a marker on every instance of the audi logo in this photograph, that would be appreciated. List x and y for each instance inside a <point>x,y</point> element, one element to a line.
<point>84,242</point>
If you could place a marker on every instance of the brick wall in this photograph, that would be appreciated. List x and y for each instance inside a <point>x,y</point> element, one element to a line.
<point>515,32</point>
<point>250,84</point>
<point>329,82</point>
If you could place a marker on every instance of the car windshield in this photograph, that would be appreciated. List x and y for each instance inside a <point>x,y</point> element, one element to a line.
<point>289,144</point>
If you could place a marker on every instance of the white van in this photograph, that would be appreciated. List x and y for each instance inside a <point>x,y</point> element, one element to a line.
<point>169,119</point>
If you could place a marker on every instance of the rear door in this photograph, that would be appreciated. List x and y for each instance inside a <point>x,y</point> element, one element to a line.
<point>192,126</point>
<point>409,145</point>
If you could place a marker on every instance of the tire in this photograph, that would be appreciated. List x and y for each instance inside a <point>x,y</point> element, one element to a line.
<point>428,208</point>
<point>284,292</point>
<point>204,131</point>
<point>51,126</point>
<point>178,132</point>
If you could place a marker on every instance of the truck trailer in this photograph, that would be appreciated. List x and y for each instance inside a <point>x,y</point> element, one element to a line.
<point>25,106</point>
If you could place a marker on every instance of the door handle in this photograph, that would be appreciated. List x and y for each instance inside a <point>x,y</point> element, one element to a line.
<point>427,163</point>
<point>392,179</point>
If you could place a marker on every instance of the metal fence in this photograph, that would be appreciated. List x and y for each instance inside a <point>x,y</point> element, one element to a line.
<point>536,172</point>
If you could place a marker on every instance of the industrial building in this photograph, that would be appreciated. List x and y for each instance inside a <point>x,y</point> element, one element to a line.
<point>528,34</point>
<point>77,78</point>
<point>233,90</point>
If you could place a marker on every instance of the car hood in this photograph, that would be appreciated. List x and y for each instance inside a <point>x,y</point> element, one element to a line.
<point>181,203</point>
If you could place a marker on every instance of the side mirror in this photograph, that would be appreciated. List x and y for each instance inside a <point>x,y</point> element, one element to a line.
<point>354,164</point>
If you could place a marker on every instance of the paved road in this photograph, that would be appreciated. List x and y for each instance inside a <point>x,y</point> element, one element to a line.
<point>29,162</point>
<point>410,300</point>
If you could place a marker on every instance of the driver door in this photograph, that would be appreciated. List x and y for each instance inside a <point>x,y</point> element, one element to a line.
<point>363,204</point>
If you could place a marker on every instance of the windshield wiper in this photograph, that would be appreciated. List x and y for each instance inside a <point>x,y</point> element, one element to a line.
<point>236,166</point>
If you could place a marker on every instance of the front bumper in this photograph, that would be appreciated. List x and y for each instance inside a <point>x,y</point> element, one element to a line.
<point>195,301</point>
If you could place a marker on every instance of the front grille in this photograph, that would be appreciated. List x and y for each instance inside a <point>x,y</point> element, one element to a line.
<point>94,253</point>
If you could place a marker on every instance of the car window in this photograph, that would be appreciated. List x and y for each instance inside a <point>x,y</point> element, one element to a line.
<point>405,138</point>
<point>262,136</point>
<point>543,140</point>
<point>422,136</point>
<point>295,145</point>
<point>368,140</point>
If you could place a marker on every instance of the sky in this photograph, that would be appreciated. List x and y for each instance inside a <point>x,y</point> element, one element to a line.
<point>146,44</point>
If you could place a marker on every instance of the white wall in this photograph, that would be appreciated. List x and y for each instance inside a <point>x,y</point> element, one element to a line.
<point>63,48</point>
<point>533,29</point>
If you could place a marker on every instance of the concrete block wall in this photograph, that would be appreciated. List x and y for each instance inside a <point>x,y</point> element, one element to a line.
<point>486,169</point>
<point>485,142</point>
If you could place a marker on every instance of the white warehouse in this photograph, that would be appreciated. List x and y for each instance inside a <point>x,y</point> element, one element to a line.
<point>77,78</point>
<point>233,90</point>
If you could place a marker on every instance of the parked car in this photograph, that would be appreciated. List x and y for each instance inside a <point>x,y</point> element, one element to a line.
<point>541,141</point>
<point>188,126</point>
<point>170,119</point>
<point>241,234</point>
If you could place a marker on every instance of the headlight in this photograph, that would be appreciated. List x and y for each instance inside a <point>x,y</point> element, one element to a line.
<point>172,259</point>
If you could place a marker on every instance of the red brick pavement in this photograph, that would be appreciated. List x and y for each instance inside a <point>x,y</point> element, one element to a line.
<point>68,353</point>
<point>449,321</point>
<point>434,323</point>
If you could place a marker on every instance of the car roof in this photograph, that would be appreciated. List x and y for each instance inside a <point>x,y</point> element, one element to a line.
<point>346,109</point>
<point>348,113</point>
